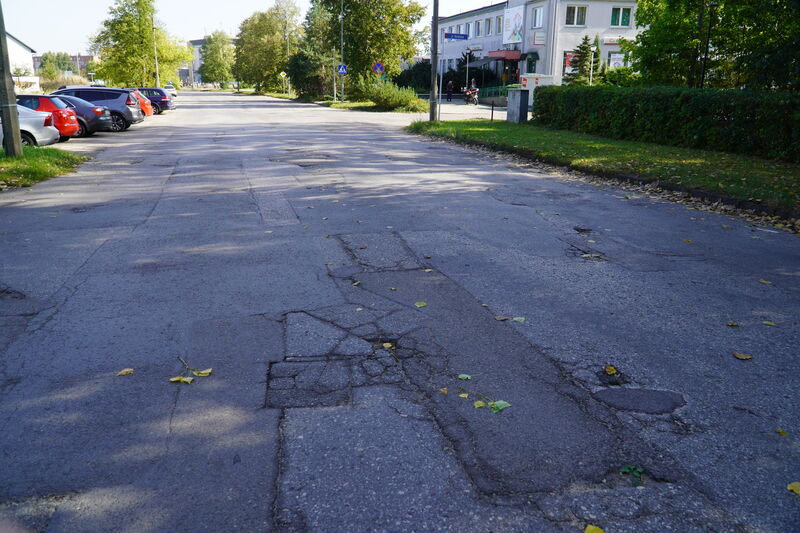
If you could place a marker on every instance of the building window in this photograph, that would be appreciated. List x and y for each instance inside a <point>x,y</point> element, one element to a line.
<point>450,29</point>
<point>477,28</point>
<point>488,25</point>
<point>499,25</point>
<point>576,16</point>
<point>466,30</point>
<point>458,28</point>
<point>537,17</point>
<point>621,16</point>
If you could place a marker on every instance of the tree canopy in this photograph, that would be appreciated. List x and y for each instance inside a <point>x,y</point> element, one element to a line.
<point>217,55</point>
<point>264,43</point>
<point>125,44</point>
<point>753,43</point>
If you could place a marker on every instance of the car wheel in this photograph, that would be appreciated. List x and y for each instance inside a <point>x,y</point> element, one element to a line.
<point>82,130</point>
<point>27,139</point>
<point>118,122</point>
<point>63,139</point>
<point>157,109</point>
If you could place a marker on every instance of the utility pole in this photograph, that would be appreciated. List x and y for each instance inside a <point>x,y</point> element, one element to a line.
<point>434,60</point>
<point>341,44</point>
<point>711,7</point>
<point>155,50</point>
<point>335,72</point>
<point>12,142</point>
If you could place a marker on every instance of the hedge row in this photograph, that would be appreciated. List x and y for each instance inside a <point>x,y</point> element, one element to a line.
<point>765,124</point>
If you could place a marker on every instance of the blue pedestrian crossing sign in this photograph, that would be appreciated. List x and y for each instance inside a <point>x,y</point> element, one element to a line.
<point>341,70</point>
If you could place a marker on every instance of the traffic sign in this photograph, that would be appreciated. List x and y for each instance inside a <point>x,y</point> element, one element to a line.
<point>282,74</point>
<point>457,36</point>
<point>377,68</point>
<point>341,69</point>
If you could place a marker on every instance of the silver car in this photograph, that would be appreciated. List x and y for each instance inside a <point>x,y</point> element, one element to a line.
<point>36,127</point>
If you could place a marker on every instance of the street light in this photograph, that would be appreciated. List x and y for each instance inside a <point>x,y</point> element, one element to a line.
<point>711,6</point>
<point>434,60</point>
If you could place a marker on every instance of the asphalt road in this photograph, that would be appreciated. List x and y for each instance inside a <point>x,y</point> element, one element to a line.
<point>338,275</point>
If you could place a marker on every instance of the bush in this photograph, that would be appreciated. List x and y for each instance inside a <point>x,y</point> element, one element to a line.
<point>386,95</point>
<point>760,123</point>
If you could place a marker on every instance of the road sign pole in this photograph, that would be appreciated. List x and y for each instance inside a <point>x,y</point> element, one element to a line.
<point>12,143</point>
<point>434,61</point>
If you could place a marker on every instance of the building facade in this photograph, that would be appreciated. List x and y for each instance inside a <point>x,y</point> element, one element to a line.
<point>79,62</point>
<point>20,55</point>
<point>522,40</point>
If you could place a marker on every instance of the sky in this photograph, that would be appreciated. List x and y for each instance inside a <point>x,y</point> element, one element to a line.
<point>46,25</point>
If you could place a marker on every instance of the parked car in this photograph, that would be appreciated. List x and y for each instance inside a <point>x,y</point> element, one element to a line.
<point>171,90</point>
<point>91,118</point>
<point>66,121</point>
<point>124,106</point>
<point>160,98</point>
<point>144,102</point>
<point>36,127</point>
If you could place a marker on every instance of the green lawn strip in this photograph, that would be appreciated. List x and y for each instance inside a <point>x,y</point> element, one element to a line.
<point>366,106</point>
<point>37,164</point>
<point>772,184</point>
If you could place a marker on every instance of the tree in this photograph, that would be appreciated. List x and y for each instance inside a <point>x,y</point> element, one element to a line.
<point>217,55</point>
<point>126,45</point>
<point>311,68</point>
<point>585,63</point>
<point>375,31</point>
<point>754,43</point>
<point>264,44</point>
<point>60,61</point>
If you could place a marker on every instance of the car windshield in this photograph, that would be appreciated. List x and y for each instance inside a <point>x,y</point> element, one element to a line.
<point>58,102</point>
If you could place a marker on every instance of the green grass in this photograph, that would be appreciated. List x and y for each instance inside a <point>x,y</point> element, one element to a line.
<point>37,164</point>
<point>284,96</point>
<point>772,184</point>
<point>369,106</point>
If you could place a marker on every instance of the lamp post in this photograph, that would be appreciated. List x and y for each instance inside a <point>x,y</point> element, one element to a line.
<point>711,6</point>
<point>155,51</point>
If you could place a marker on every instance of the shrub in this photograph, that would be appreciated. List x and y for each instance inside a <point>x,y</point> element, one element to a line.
<point>761,123</point>
<point>386,95</point>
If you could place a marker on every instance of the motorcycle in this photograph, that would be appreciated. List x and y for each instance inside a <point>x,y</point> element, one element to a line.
<point>471,95</point>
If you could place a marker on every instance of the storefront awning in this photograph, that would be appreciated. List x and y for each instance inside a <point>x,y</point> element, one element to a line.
<point>480,62</point>
<point>509,55</point>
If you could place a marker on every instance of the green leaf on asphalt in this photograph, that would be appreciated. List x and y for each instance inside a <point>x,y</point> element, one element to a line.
<point>593,529</point>
<point>202,373</point>
<point>181,379</point>
<point>765,282</point>
<point>499,405</point>
<point>518,319</point>
<point>769,323</point>
<point>781,432</point>
<point>478,404</point>
<point>387,345</point>
<point>464,377</point>
<point>420,304</point>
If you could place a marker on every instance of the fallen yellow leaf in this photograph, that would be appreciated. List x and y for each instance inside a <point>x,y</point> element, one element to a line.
<point>479,404</point>
<point>765,282</point>
<point>181,379</point>
<point>125,372</point>
<point>742,356</point>
<point>387,345</point>
<point>794,486</point>
<point>202,373</point>
<point>726,226</point>
<point>769,323</point>
<point>733,324</point>
<point>610,370</point>
<point>359,308</point>
<point>781,432</point>
<point>356,283</point>
<point>463,395</point>
<point>420,304</point>
<point>444,390</point>
<point>593,529</point>
<point>690,241</point>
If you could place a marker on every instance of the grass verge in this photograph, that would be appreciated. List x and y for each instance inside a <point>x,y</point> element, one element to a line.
<point>369,106</point>
<point>37,164</point>
<point>745,181</point>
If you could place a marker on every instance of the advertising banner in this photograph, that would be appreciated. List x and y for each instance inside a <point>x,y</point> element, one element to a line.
<point>513,25</point>
<point>616,60</point>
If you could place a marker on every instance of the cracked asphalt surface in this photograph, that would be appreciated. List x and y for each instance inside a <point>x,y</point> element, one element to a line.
<point>287,245</point>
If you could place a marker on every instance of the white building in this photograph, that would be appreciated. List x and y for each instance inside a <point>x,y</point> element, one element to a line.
<point>20,55</point>
<point>525,40</point>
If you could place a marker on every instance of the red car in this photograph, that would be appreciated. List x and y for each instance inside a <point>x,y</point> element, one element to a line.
<point>64,118</point>
<point>144,103</point>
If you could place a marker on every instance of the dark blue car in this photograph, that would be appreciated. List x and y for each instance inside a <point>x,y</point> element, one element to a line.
<point>160,99</point>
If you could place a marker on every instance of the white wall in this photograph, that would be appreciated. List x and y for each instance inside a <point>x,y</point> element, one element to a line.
<point>19,56</point>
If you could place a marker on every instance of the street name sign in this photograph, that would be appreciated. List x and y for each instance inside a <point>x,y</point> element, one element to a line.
<point>457,36</point>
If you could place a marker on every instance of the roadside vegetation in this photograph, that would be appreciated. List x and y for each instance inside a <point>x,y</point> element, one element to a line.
<point>36,164</point>
<point>772,184</point>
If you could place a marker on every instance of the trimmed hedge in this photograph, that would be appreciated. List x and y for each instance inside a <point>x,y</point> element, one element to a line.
<point>760,123</point>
